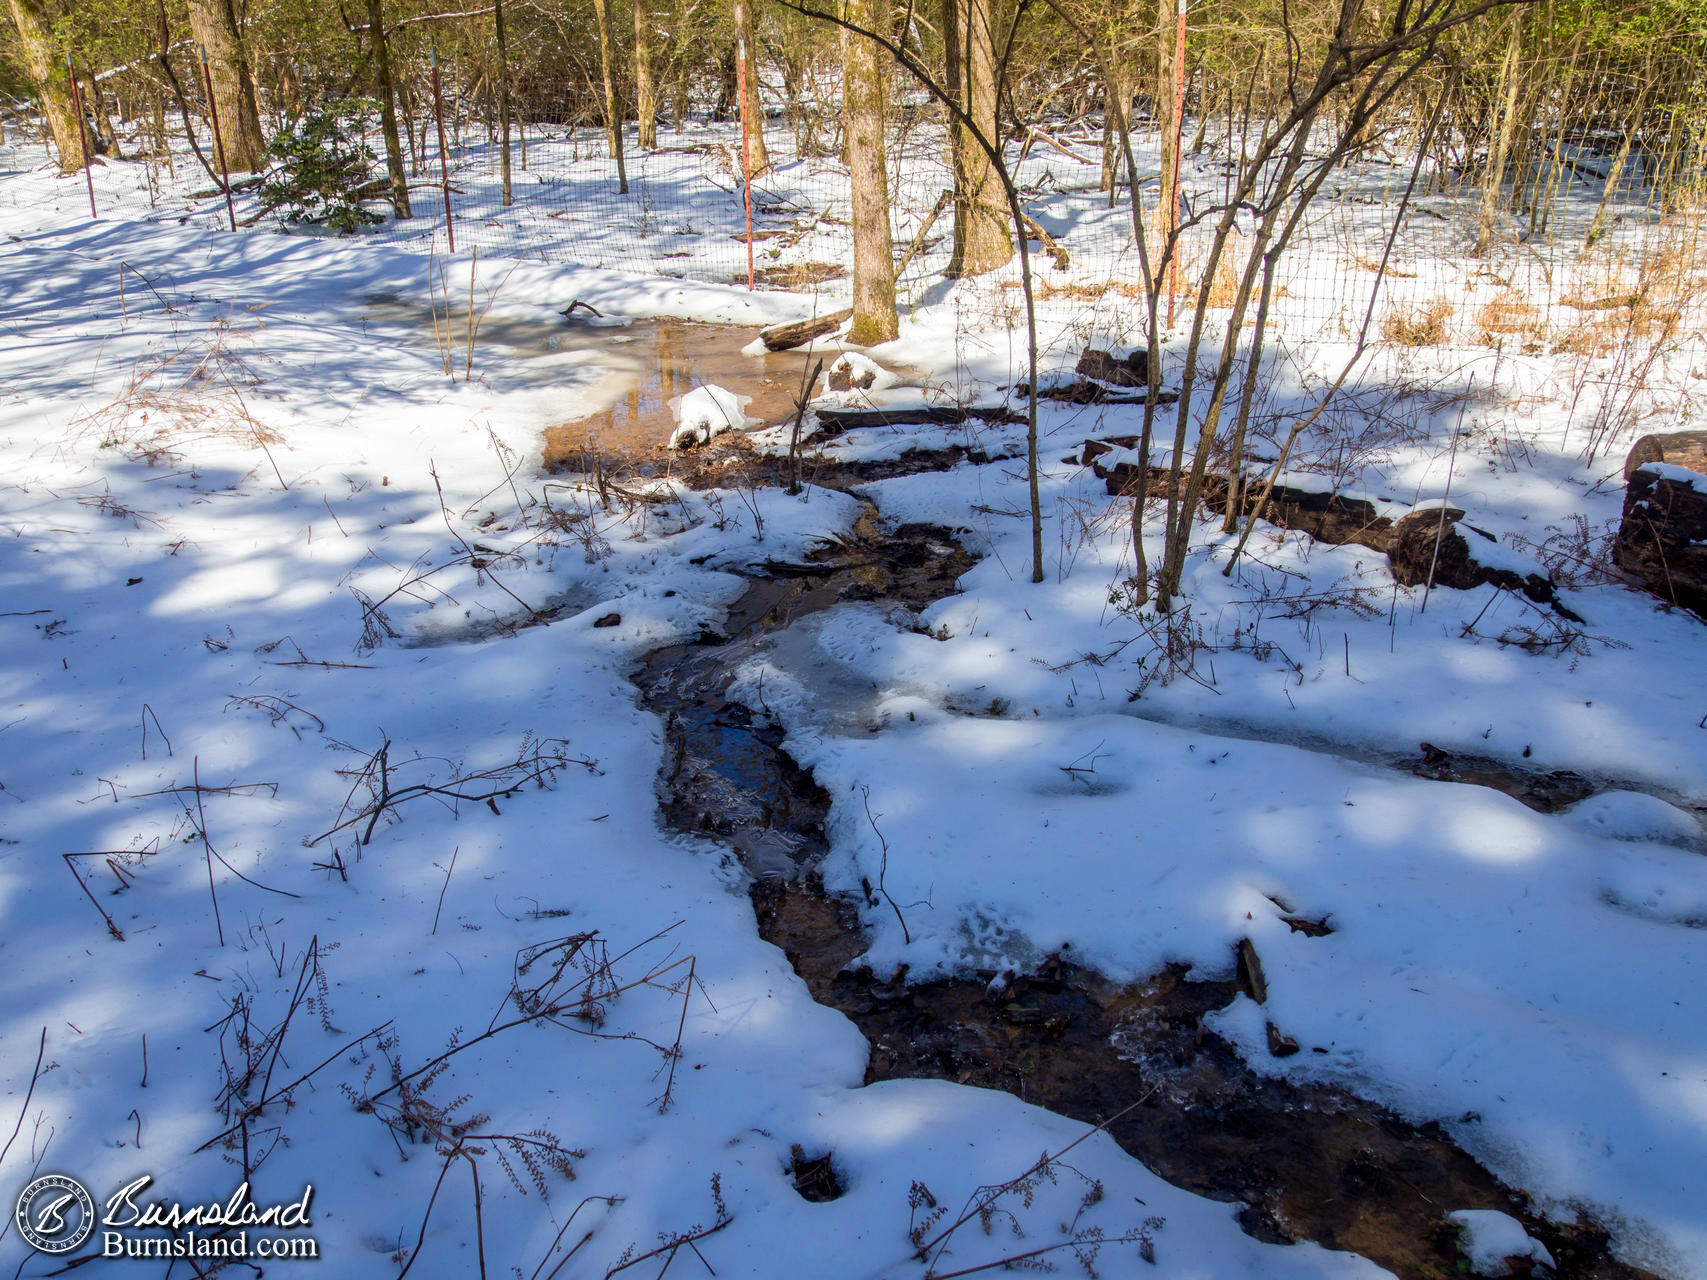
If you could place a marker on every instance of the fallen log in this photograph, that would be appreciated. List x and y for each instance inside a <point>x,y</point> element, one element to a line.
<point>1326,517</point>
<point>1055,251</point>
<point>834,421</point>
<point>785,337</point>
<point>918,243</point>
<point>1089,391</point>
<point>1131,370</point>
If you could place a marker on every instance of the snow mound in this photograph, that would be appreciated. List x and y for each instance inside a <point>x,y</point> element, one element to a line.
<point>705,412</point>
<point>1632,815</point>
<point>1490,1239</point>
<point>853,372</point>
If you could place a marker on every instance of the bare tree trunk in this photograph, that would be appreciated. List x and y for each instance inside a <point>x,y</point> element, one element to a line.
<point>874,317</point>
<point>1597,227</point>
<point>214,25</point>
<point>503,99</point>
<point>758,158</point>
<point>1202,134</point>
<point>291,99</point>
<point>954,88</point>
<point>645,92</point>
<point>1247,396</point>
<point>1167,21</point>
<point>46,70</point>
<point>981,239</point>
<point>412,110</point>
<point>1110,157</point>
<point>1119,107</point>
<point>98,120</point>
<point>1495,179</point>
<point>388,110</point>
<point>613,104</point>
<point>1116,95</point>
<point>1182,506</point>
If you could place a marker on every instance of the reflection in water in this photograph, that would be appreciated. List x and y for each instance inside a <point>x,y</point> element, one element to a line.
<point>660,360</point>
<point>648,363</point>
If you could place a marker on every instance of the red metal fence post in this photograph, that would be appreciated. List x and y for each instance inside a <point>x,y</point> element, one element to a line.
<point>82,135</point>
<point>1179,159</point>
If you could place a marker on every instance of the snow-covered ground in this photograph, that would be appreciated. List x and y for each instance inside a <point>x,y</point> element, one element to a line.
<point>260,549</point>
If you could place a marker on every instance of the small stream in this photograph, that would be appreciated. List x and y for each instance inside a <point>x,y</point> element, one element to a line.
<point>1307,1162</point>
<point>727,774</point>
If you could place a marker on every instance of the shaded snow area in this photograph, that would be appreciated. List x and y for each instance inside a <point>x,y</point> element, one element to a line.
<point>212,490</point>
<point>325,689</point>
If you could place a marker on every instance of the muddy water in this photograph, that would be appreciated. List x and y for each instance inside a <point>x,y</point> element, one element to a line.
<point>1308,1163</point>
<point>646,364</point>
<point>726,773</point>
<point>657,362</point>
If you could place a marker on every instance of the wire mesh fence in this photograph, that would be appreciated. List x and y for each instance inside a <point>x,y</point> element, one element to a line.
<point>683,216</point>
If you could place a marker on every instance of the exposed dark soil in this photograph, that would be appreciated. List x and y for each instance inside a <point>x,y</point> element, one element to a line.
<point>1545,792</point>
<point>795,275</point>
<point>1309,1163</point>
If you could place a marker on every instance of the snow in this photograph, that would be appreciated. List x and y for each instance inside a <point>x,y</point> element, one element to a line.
<point>864,373</point>
<point>1676,474</point>
<point>1630,815</point>
<point>133,440</point>
<point>1008,760</point>
<point>1453,966</point>
<point>257,530</point>
<point>1490,1239</point>
<point>705,412</point>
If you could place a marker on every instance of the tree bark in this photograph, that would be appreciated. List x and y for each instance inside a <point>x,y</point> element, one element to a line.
<point>1116,95</point>
<point>758,158</point>
<point>1167,15</point>
<point>785,337</point>
<point>613,104</point>
<point>645,91</point>
<point>503,99</point>
<point>874,316</point>
<point>46,70</point>
<point>214,25</point>
<point>387,110</point>
<point>1597,227</point>
<point>981,238</point>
